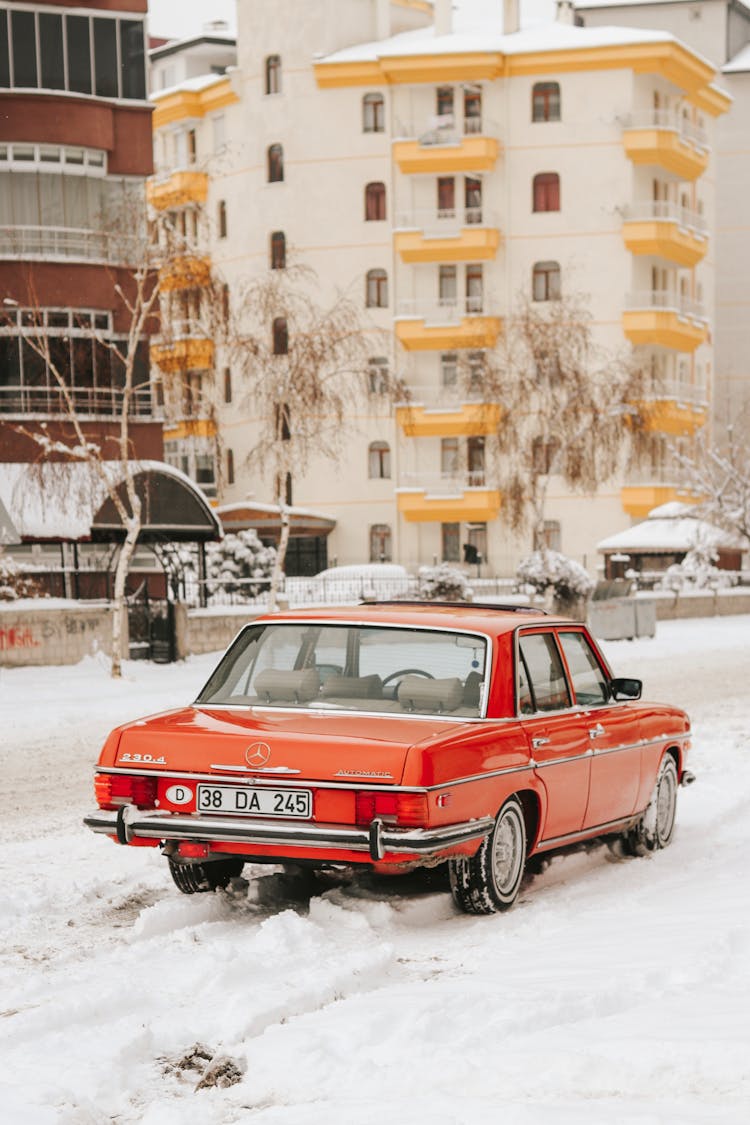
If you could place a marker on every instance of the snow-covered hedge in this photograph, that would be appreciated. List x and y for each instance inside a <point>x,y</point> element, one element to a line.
<point>14,583</point>
<point>547,571</point>
<point>443,583</point>
<point>239,558</point>
<point>697,571</point>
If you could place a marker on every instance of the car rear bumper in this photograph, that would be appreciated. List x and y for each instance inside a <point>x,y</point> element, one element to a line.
<point>377,840</point>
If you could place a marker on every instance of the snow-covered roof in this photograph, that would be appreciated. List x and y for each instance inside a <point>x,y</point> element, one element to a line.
<point>60,500</point>
<point>740,63</point>
<point>544,37</point>
<point>173,46</point>
<point>670,527</point>
<point>190,86</point>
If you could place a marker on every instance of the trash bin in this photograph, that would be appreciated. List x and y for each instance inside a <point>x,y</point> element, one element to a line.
<point>615,614</point>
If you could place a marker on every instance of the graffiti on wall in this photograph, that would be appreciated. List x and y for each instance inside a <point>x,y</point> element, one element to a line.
<point>49,631</point>
<point>17,636</point>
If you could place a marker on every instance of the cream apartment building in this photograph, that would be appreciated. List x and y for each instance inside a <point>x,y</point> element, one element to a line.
<point>433,176</point>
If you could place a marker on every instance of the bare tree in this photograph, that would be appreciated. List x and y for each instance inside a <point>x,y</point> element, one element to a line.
<point>304,366</point>
<point>719,473</point>
<point>567,409</point>
<point>73,442</point>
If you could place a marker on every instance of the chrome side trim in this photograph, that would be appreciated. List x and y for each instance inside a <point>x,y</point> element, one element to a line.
<point>154,824</point>
<point>595,830</point>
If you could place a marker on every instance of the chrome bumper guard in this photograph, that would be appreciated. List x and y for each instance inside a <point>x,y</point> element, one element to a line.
<point>376,840</point>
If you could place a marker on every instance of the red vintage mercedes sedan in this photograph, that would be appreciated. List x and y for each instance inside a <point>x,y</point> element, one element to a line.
<point>398,735</point>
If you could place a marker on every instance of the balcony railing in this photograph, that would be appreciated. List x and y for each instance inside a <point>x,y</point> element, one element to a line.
<point>444,484</point>
<point>181,330</point>
<point>441,398</point>
<point>105,402</point>
<point>664,119</point>
<point>446,130</point>
<point>667,212</point>
<point>445,222</point>
<point>443,310</point>
<point>66,243</point>
<point>673,390</point>
<point>668,300</point>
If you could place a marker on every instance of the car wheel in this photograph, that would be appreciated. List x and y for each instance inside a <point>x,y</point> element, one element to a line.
<point>656,827</point>
<point>196,878</point>
<point>491,879</point>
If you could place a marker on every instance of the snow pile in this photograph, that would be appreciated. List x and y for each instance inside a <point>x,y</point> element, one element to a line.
<point>443,583</point>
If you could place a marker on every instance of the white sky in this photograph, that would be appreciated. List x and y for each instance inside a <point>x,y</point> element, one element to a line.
<point>180,18</point>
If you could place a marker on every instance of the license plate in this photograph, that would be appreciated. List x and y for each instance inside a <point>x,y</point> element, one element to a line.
<point>254,802</point>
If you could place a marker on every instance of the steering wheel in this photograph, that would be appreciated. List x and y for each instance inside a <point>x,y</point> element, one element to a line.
<point>407,672</point>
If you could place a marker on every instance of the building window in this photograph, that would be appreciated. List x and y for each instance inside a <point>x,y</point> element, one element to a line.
<point>377,375</point>
<point>449,369</point>
<point>227,384</point>
<point>446,197</point>
<point>475,461</point>
<point>451,541</point>
<point>230,466</point>
<point>278,250</point>
<point>547,191</point>
<point>379,460</point>
<point>444,104</point>
<point>380,543</point>
<point>447,285</point>
<point>104,55</point>
<point>374,202</point>
<point>472,109</point>
<point>545,101</point>
<point>473,199</point>
<point>222,218</point>
<point>373,113</point>
<point>376,289</point>
<point>273,74</point>
<point>275,164</point>
<point>280,336</point>
<point>477,544</point>
<point>544,455</point>
<point>282,421</point>
<point>474,288</point>
<point>545,281</point>
<point>448,456</point>
<point>549,537</point>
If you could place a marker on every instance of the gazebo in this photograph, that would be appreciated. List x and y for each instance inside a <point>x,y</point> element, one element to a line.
<point>664,538</point>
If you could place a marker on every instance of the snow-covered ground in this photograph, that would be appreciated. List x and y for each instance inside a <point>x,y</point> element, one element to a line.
<point>614,992</point>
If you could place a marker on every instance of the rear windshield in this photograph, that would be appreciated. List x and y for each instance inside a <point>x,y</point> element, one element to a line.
<point>353,668</point>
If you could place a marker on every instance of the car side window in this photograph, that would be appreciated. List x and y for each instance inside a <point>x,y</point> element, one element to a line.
<point>545,670</point>
<point>589,681</point>
<point>525,702</point>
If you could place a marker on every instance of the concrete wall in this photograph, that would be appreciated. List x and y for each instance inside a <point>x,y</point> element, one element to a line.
<point>209,631</point>
<point>33,633</point>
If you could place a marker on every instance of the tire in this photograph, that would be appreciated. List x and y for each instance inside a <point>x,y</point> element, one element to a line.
<point>490,880</point>
<point>197,878</point>
<point>656,827</point>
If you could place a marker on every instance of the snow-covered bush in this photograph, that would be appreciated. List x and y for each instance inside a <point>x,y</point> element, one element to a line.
<point>14,583</point>
<point>443,583</point>
<point>550,571</point>
<point>697,571</point>
<point>236,560</point>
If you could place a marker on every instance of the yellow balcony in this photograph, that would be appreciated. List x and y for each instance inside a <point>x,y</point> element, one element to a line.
<point>451,154</point>
<point>183,353</point>
<point>665,320</point>
<point>190,428</point>
<point>464,420</point>
<point>177,190</point>
<point>675,410</point>
<point>661,139</point>
<point>422,505</point>
<point>445,325</point>
<point>664,230</point>
<point>468,244</point>
<point>188,271</point>
<point>638,499</point>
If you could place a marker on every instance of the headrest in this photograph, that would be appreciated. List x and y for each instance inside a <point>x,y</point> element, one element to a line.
<point>295,686</point>
<point>351,687</point>
<point>416,693</point>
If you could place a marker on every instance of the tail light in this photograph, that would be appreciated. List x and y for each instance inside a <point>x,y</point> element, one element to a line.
<point>115,789</point>
<point>407,809</point>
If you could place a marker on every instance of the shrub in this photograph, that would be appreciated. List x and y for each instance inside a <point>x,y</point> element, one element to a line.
<point>14,583</point>
<point>239,558</point>
<point>443,583</point>
<point>550,571</point>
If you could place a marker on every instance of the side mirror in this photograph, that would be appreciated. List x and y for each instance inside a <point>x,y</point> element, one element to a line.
<point>624,688</point>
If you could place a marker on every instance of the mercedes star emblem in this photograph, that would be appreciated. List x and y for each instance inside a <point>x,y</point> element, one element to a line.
<point>258,754</point>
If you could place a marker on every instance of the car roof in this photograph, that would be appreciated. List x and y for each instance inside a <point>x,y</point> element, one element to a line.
<point>494,620</point>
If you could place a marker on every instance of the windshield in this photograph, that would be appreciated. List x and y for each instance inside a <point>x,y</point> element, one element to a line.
<point>353,668</point>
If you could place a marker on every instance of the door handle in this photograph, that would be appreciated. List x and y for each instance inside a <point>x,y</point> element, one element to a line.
<point>537,742</point>
<point>597,731</point>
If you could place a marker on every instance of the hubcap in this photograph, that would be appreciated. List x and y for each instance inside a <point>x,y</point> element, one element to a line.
<point>507,852</point>
<point>665,804</point>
